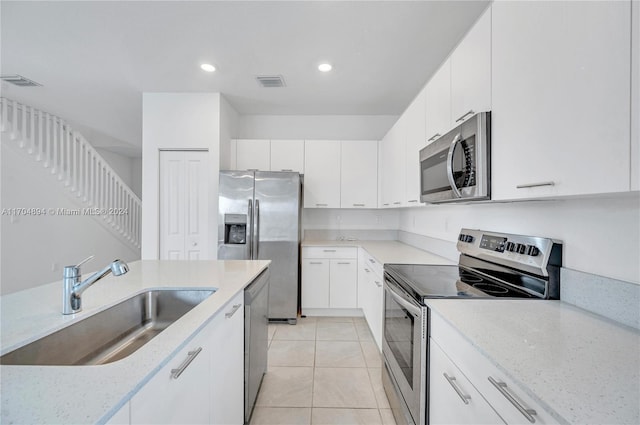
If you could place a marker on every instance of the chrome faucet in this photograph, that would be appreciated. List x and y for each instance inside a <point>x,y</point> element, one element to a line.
<point>73,288</point>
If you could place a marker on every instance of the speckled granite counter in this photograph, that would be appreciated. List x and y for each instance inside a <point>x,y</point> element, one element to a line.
<point>92,394</point>
<point>387,252</point>
<point>582,367</point>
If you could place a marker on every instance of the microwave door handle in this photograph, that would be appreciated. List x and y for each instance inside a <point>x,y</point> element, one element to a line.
<point>452,181</point>
<point>404,303</point>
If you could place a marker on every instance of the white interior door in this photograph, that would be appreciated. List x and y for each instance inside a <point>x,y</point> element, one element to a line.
<point>183,205</point>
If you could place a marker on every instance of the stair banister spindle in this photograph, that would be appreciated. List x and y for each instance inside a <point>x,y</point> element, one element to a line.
<point>32,132</point>
<point>4,120</point>
<point>14,119</point>
<point>67,143</point>
<point>40,142</point>
<point>23,127</point>
<point>54,144</point>
<point>47,146</point>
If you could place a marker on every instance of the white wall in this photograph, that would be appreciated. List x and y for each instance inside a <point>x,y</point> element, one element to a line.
<point>229,122</point>
<point>35,248</point>
<point>600,235</point>
<point>177,121</point>
<point>126,168</point>
<point>337,127</point>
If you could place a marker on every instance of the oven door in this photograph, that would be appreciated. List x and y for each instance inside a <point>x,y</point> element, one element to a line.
<point>405,349</point>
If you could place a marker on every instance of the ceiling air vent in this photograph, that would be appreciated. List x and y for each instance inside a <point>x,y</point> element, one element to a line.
<point>19,80</point>
<point>270,81</point>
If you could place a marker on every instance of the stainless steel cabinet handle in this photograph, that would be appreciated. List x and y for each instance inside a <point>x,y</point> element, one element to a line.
<point>469,112</point>
<point>465,398</point>
<point>523,186</point>
<point>343,263</point>
<point>372,261</point>
<point>378,284</point>
<point>252,169</point>
<point>233,310</point>
<point>433,137</point>
<point>502,387</point>
<point>358,205</point>
<point>321,205</point>
<point>367,270</point>
<point>396,203</point>
<point>315,262</point>
<point>412,200</point>
<point>175,373</point>
<point>386,205</point>
<point>286,169</point>
<point>329,250</point>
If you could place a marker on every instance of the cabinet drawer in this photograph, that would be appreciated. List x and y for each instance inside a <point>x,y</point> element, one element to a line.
<point>510,401</point>
<point>329,252</point>
<point>452,398</point>
<point>372,263</point>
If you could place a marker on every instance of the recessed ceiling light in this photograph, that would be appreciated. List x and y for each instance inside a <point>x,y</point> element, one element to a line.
<point>325,67</point>
<point>208,67</point>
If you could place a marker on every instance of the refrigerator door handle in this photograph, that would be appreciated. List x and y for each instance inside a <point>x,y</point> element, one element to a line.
<point>256,235</point>
<point>250,244</point>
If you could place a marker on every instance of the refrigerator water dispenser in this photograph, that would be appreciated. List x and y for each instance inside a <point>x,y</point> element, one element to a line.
<point>235,229</point>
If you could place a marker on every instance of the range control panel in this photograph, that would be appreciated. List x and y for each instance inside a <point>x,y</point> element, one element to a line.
<point>532,252</point>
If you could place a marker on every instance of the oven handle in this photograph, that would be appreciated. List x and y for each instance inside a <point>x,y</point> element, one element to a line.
<point>413,309</point>
<point>452,181</point>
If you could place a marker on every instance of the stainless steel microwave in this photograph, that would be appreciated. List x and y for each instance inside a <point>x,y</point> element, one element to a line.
<point>457,166</point>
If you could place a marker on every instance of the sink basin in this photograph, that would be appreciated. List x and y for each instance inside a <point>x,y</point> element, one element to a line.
<point>112,334</point>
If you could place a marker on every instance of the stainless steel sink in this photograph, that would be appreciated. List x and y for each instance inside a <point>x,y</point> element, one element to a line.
<point>112,334</point>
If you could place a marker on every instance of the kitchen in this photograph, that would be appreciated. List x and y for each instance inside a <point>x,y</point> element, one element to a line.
<point>592,206</point>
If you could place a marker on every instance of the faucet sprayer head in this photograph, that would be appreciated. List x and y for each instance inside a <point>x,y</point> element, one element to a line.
<point>119,267</point>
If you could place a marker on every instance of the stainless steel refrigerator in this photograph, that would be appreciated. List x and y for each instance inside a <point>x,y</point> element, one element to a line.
<point>259,218</point>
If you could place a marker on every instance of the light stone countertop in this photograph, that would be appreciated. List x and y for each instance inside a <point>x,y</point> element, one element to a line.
<point>582,368</point>
<point>387,252</point>
<point>92,394</point>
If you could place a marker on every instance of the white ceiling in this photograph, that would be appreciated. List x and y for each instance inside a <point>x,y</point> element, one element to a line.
<point>95,59</point>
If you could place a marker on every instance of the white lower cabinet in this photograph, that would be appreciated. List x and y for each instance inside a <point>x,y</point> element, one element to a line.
<point>371,294</point>
<point>329,278</point>
<point>180,392</point>
<point>474,374</point>
<point>203,383</point>
<point>452,398</point>
<point>227,364</point>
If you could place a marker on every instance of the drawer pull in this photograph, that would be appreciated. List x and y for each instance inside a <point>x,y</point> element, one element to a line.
<point>412,201</point>
<point>286,169</point>
<point>344,262</point>
<point>232,311</point>
<point>372,261</point>
<point>524,186</point>
<point>378,284</point>
<point>502,387</point>
<point>328,250</point>
<point>469,112</point>
<point>315,262</point>
<point>358,205</point>
<point>433,137</point>
<point>396,203</point>
<point>465,398</point>
<point>367,270</point>
<point>175,373</point>
<point>386,205</point>
<point>321,205</point>
<point>252,169</point>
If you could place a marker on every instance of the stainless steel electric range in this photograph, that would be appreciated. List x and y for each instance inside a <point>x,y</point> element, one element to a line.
<point>491,265</point>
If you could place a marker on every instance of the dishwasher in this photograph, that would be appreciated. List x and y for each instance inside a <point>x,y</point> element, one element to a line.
<point>256,321</point>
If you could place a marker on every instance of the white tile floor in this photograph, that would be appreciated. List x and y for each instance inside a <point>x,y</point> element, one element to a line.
<point>324,370</point>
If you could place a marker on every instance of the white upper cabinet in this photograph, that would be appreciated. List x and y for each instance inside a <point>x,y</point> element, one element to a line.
<point>287,155</point>
<point>392,151</point>
<point>322,174</point>
<point>253,154</point>
<point>359,174</point>
<point>471,72</point>
<point>415,140</point>
<point>438,102</point>
<point>561,98</point>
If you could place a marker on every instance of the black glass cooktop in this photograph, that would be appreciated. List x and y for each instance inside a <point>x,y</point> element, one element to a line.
<point>432,281</point>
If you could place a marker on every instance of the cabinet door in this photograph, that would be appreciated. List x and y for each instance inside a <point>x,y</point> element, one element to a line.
<point>253,154</point>
<point>287,155</point>
<point>438,103</point>
<point>182,399</point>
<point>393,156</point>
<point>471,72</point>
<point>561,98</point>
<point>452,398</point>
<point>635,96</point>
<point>415,140</point>
<point>227,364</point>
<point>359,174</point>
<point>343,281</point>
<point>315,283</point>
<point>322,174</point>
<point>384,163</point>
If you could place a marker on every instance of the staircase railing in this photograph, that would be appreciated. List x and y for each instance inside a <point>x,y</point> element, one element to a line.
<point>75,163</point>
